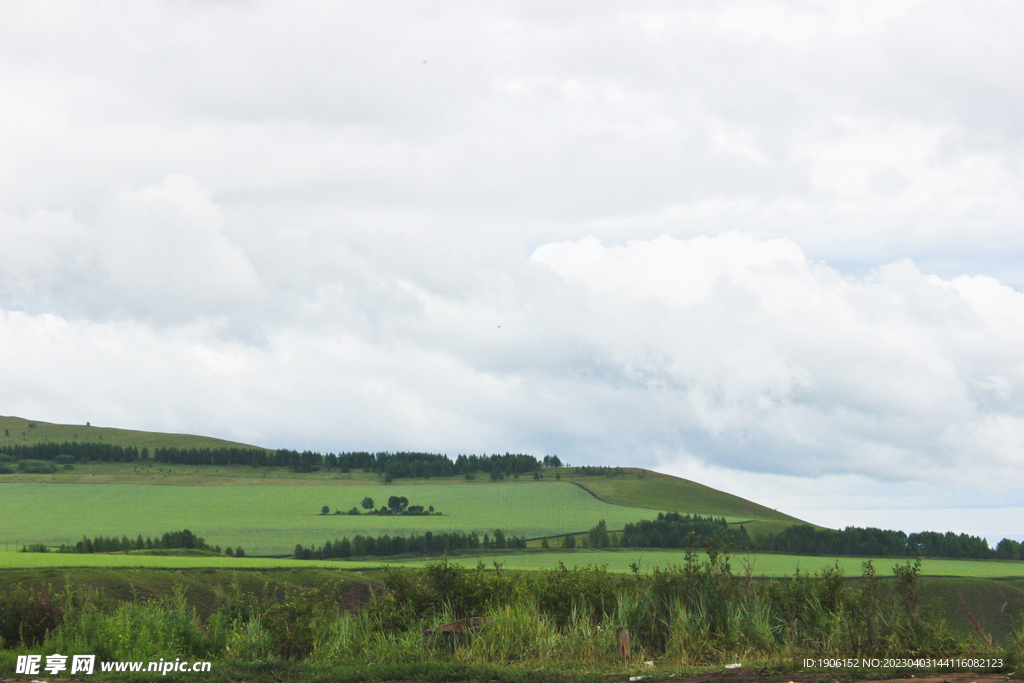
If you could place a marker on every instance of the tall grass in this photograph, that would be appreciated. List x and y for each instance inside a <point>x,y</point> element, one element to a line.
<point>697,613</point>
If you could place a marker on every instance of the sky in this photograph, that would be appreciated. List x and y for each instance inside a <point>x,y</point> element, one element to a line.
<point>775,247</point>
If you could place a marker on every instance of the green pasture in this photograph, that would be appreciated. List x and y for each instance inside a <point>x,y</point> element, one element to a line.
<point>10,559</point>
<point>618,561</point>
<point>758,564</point>
<point>271,519</point>
<point>16,431</point>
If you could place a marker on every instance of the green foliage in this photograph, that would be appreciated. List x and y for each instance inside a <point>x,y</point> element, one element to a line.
<point>871,542</point>
<point>171,539</point>
<point>695,613</point>
<point>27,615</point>
<point>36,467</point>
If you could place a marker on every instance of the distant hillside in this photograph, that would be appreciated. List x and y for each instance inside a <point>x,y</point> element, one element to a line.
<point>17,431</point>
<point>645,489</point>
<point>629,487</point>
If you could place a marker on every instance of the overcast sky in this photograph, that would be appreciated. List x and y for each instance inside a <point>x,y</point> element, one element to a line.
<point>774,247</point>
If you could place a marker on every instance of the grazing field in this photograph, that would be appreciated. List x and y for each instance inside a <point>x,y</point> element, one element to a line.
<point>616,561</point>
<point>760,564</point>
<point>271,520</point>
<point>15,431</point>
<point>15,560</point>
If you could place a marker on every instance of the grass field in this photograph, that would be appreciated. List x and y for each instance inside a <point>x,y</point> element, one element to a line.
<point>760,564</point>
<point>14,560</point>
<point>17,431</point>
<point>270,520</point>
<point>618,561</point>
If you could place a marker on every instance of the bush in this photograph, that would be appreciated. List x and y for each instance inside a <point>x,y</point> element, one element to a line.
<point>27,616</point>
<point>6,469</point>
<point>36,467</point>
<point>6,458</point>
<point>65,459</point>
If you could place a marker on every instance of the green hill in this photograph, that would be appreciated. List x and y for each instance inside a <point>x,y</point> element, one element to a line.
<point>16,431</point>
<point>622,495</point>
<point>640,488</point>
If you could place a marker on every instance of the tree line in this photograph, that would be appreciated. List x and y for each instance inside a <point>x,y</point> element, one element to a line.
<point>428,543</point>
<point>400,465</point>
<point>183,539</point>
<point>82,451</point>
<point>674,530</point>
<point>805,539</point>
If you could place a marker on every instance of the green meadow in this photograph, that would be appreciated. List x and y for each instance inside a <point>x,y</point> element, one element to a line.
<point>757,564</point>
<point>11,560</point>
<point>616,561</point>
<point>272,519</point>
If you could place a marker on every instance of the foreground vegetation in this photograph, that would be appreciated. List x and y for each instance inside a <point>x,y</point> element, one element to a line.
<point>697,613</point>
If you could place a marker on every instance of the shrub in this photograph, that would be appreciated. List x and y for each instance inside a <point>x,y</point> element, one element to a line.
<point>6,469</point>
<point>36,467</point>
<point>64,459</point>
<point>27,616</point>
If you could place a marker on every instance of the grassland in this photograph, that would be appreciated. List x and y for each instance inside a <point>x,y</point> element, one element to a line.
<point>11,560</point>
<point>616,561</point>
<point>270,520</point>
<point>759,564</point>
<point>16,431</point>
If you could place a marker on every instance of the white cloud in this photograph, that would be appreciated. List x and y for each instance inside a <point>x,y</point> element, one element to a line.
<point>781,238</point>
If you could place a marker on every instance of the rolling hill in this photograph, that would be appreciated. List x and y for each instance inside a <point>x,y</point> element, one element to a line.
<point>16,431</point>
<point>270,509</point>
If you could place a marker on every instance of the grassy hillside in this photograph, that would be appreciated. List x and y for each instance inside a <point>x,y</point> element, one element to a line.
<point>17,431</point>
<point>645,489</point>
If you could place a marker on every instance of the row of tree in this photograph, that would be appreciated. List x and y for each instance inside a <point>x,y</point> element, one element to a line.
<point>805,539</point>
<point>674,530</point>
<point>428,543</point>
<point>184,539</point>
<point>101,452</point>
<point>388,465</point>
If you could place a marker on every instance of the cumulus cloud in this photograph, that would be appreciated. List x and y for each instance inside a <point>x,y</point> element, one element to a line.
<point>770,239</point>
<point>783,365</point>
